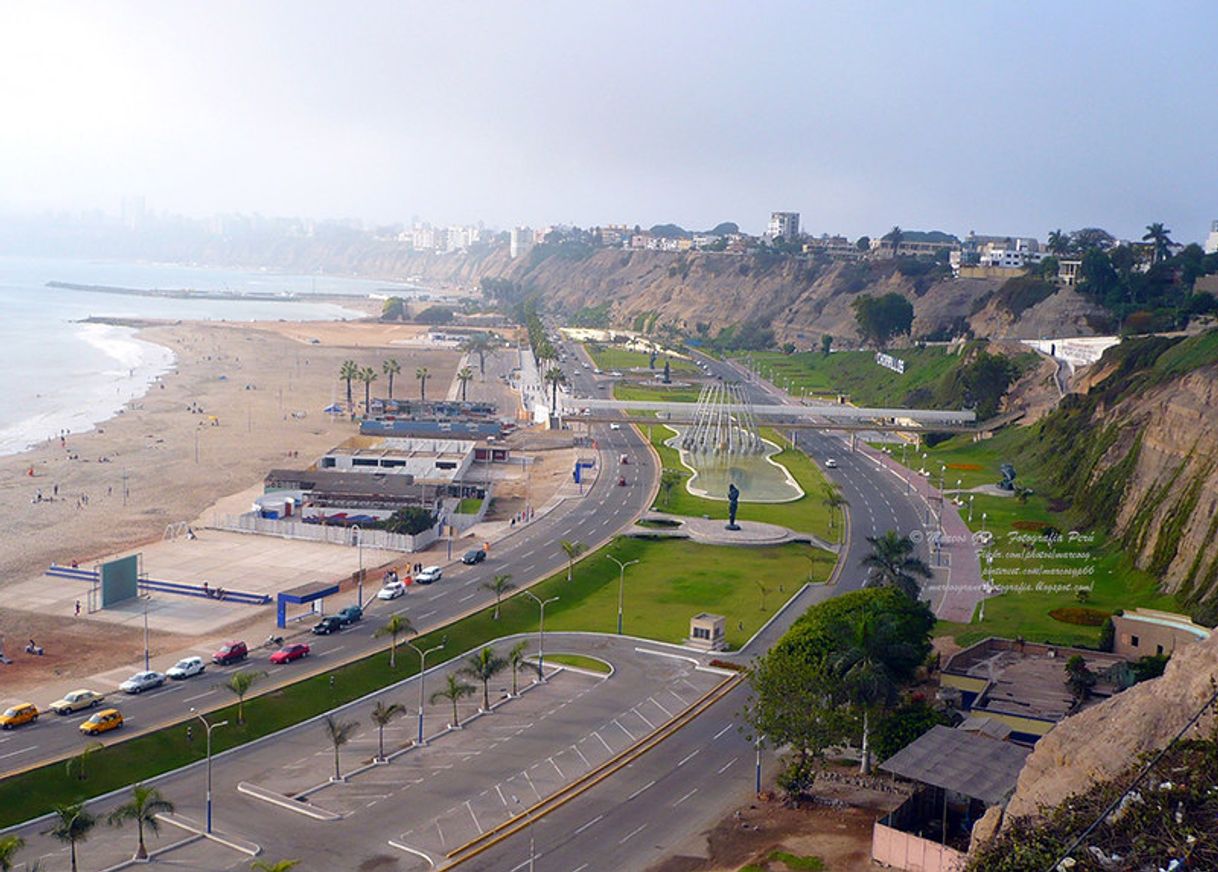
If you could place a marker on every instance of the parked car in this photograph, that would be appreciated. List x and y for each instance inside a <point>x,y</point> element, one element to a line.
<point>327,625</point>
<point>477,555</point>
<point>830,463</point>
<point>350,614</point>
<point>186,667</point>
<point>102,722</point>
<point>15,716</point>
<point>392,590</point>
<point>288,653</point>
<point>233,652</point>
<point>621,482</point>
<point>429,574</point>
<point>142,681</point>
<point>75,701</point>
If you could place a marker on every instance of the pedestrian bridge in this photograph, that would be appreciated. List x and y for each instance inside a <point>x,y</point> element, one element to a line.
<point>820,415</point>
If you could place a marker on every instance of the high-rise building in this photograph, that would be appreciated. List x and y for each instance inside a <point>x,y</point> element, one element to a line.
<point>784,224</point>
<point>520,240</point>
<point>1211,241</point>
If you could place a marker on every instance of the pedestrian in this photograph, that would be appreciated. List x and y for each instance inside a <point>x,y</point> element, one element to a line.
<point>78,608</point>
<point>55,490</point>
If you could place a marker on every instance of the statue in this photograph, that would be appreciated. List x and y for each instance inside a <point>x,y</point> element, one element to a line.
<point>667,372</point>
<point>651,364</point>
<point>733,499</point>
<point>1008,477</point>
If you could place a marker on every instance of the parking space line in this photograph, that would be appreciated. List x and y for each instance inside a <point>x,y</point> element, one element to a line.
<point>623,729</point>
<point>639,714</point>
<point>474,816</point>
<point>501,797</point>
<point>575,748</point>
<point>602,741</point>
<point>556,769</point>
<point>652,700</point>
<point>534,786</point>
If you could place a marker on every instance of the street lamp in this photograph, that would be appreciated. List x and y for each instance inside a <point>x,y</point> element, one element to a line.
<point>422,673</point>
<point>621,587</point>
<point>970,507</point>
<point>541,631</point>
<point>208,727</point>
<point>359,542</point>
<point>147,667</point>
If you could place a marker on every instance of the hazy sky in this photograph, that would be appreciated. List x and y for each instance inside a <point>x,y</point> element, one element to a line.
<point>999,117</point>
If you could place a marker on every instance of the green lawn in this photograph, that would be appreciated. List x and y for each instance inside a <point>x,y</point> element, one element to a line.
<point>657,393</point>
<point>806,514</point>
<point>611,357</point>
<point>971,463</point>
<point>579,661</point>
<point>673,581</point>
<point>469,506</point>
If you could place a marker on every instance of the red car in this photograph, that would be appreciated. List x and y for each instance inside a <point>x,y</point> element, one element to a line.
<point>288,653</point>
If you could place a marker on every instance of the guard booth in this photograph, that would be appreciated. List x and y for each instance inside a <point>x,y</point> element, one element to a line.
<point>706,632</point>
<point>305,594</point>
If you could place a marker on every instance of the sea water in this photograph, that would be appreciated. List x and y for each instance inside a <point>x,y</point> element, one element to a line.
<point>59,374</point>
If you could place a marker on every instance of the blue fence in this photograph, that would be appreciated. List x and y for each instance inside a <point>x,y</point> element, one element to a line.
<point>230,596</point>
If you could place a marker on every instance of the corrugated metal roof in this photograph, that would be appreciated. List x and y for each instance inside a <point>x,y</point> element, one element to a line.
<point>969,764</point>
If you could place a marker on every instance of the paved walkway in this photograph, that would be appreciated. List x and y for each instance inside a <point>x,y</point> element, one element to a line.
<point>714,532</point>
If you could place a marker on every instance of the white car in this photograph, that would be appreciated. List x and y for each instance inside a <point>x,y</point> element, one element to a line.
<point>616,374</point>
<point>830,463</point>
<point>186,667</point>
<point>429,574</point>
<point>142,681</point>
<point>615,426</point>
<point>392,590</point>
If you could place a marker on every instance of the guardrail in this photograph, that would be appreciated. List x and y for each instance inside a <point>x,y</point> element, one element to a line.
<point>75,573</point>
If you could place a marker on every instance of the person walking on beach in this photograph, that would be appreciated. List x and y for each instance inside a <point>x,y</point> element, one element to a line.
<point>78,608</point>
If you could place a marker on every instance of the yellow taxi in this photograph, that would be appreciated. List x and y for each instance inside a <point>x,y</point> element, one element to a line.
<point>22,713</point>
<point>102,722</point>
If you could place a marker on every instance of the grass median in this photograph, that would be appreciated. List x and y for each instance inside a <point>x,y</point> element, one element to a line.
<point>672,581</point>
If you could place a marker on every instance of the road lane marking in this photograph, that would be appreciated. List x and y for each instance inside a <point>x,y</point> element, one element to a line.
<point>427,614</point>
<point>724,730</point>
<point>468,597</point>
<point>630,835</point>
<point>199,696</point>
<point>22,751</point>
<point>685,797</point>
<point>640,790</point>
<point>725,766</point>
<point>595,820</point>
<point>691,755</point>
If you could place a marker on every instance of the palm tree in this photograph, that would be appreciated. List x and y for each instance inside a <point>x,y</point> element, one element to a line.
<point>895,235</point>
<point>9,846</point>
<point>143,807</point>
<point>72,824</point>
<point>1059,243</point>
<point>367,375</point>
<point>501,585</point>
<point>382,714</point>
<point>479,344</point>
<point>391,368</point>
<point>81,760</point>
<point>422,375</point>
<point>484,666</point>
<point>454,690</point>
<point>273,865</point>
<point>1157,235</point>
<point>239,684</point>
<point>892,563</point>
<point>868,647</point>
<point>464,375</point>
<point>833,501</point>
<point>554,377</point>
<point>348,372</point>
<point>516,660</point>
<point>394,627</point>
<point>573,551</point>
<point>339,734</point>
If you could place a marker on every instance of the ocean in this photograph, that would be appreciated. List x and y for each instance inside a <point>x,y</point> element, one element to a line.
<point>58,374</point>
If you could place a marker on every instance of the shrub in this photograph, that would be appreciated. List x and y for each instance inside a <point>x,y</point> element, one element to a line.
<point>1080,616</point>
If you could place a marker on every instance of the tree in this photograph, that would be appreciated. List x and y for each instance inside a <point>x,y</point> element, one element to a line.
<point>348,372</point>
<point>863,243</point>
<point>394,627</point>
<point>464,375</point>
<point>9,846</point>
<point>892,563</point>
<point>382,714</point>
<point>826,345</point>
<point>573,550</point>
<point>880,319</point>
<point>833,501</point>
<point>1160,240</point>
<point>985,381</point>
<point>1097,277</point>
<point>554,377</point>
<point>484,666</point>
<point>903,725</point>
<point>394,309</point>
<point>80,762</point>
<point>868,649</point>
<point>515,659</point>
<point>367,375</point>
<point>1059,243</point>
<point>894,236</point>
<point>454,690</point>
<point>479,344</point>
<point>143,807</point>
<point>410,521</point>
<point>1079,678</point>
<point>669,479</point>
<point>499,586</point>
<point>422,375</point>
<point>339,733</point>
<point>72,824</point>
<point>273,866</point>
<point>1089,238</point>
<point>239,684</point>
<point>391,368</point>
<point>1049,268</point>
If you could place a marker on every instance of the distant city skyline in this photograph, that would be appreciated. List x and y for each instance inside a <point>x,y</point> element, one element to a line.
<point>956,117</point>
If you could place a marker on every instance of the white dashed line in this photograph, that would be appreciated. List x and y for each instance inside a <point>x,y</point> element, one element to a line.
<point>724,730</point>
<point>595,820</point>
<point>685,797</point>
<point>640,790</point>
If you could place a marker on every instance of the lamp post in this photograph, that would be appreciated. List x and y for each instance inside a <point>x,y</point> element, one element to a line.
<point>147,667</point>
<point>757,777</point>
<point>970,507</point>
<point>359,543</point>
<point>422,674</point>
<point>208,727</point>
<point>621,587</point>
<point>541,631</point>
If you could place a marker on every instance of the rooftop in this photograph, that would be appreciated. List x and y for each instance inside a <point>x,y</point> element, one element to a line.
<point>960,761</point>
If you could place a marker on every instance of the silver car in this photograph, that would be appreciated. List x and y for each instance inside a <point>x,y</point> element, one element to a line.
<point>142,681</point>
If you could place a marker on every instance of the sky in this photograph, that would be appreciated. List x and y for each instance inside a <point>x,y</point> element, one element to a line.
<point>1003,118</point>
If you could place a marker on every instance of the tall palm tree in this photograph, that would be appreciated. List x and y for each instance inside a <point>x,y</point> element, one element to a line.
<point>554,377</point>
<point>394,627</point>
<point>422,375</point>
<point>895,236</point>
<point>80,762</point>
<point>367,375</point>
<point>464,375</point>
<point>339,733</point>
<point>516,660</point>
<point>833,501</point>
<point>573,550</point>
<point>868,647</point>
<point>479,344</point>
<point>348,372</point>
<point>382,714</point>
<point>1059,242</point>
<point>484,666</point>
<point>892,563</point>
<point>9,846</point>
<point>239,684</point>
<point>1159,237</point>
<point>143,807</point>
<point>273,865</point>
<point>455,689</point>
<point>391,368</point>
<point>501,585</point>
<point>72,824</point>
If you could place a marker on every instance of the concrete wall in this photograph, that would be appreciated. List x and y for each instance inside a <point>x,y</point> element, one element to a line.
<point>251,523</point>
<point>899,850</point>
<point>1156,633</point>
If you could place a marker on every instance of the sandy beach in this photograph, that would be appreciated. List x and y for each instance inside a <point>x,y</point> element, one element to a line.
<point>261,389</point>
